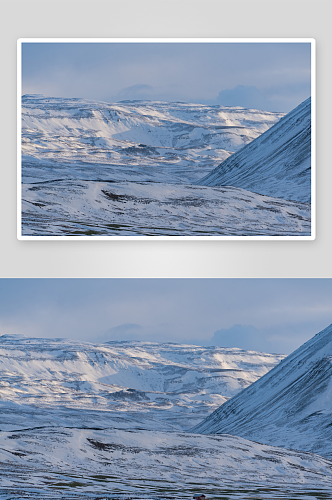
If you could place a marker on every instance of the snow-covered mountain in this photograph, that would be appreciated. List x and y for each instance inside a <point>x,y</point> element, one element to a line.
<point>82,420</point>
<point>277,163</point>
<point>174,382</point>
<point>133,140</point>
<point>128,169</point>
<point>290,406</point>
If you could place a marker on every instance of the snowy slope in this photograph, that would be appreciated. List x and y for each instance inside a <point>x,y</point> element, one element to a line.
<point>167,381</point>
<point>92,208</point>
<point>134,140</point>
<point>111,463</point>
<point>277,163</point>
<point>91,168</point>
<point>82,420</point>
<point>290,406</point>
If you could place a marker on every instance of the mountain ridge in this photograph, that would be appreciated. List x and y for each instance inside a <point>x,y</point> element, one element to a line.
<point>178,141</point>
<point>277,163</point>
<point>290,406</point>
<point>81,420</point>
<point>130,170</point>
<point>108,379</point>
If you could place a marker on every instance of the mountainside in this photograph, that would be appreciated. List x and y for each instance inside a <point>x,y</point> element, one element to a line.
<point>106,380</point>
<point>92,208</point>
<point>130,169</point>
<point>133,140</point>
<point>71,463</point>
<point>90,421</point>
<point>290,406</point>
<point>277,163</point>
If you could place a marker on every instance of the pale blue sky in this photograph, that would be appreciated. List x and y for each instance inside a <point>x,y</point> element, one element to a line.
<point>270,76</point>
<point>274,315</point>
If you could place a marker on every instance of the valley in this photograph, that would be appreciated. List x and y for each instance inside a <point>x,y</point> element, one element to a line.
<point>138,169</point>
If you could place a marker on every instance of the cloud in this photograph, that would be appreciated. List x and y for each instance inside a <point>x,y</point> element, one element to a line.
<point>144,92</point>
<point>126,331</point>
<point>140,91</point>
<point>247,96</point>
<point>192,72</point>
<point>243,336</point>
<point>287,312</point>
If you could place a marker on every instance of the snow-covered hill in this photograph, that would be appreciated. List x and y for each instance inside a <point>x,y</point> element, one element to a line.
<point>92,208</point>
<point>128,169</point>
<point>104,464</point>
<point>277,163</point>
<point>91,168</point>
<point>174,382</point>
<point>290,406</point>
<point>82,420</point>
<point>133,140</point>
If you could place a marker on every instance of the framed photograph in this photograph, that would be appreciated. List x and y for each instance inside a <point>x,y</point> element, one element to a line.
<point>166,389</point>
<point>210,139</point>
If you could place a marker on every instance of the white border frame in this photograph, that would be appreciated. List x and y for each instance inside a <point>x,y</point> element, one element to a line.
<point>312,41</point>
